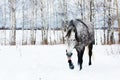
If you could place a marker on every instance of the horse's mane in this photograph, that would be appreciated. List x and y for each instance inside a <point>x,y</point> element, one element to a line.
<point>69,30</point>
<point>72,23</point>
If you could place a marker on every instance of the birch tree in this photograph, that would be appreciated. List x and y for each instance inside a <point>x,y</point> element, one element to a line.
<point>42,18</point>
<point>65,12</point>
<point>46,23</point>
<point>81,5</point>
<point>13,21</point>
<point>36,10</point>
<point>33,23</point>
<point>109,21</point>
<point>62,21</point>
<point>91,10</point>
<point>112,24</point>
<point>118,20</point>
<point>50,15</point>
<point>104,24</point>
<point>44,28</point>
<point>23,35</point>
<point>4,23</point>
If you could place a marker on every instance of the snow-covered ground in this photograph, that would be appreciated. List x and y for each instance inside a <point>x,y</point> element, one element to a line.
<point>49,62</point>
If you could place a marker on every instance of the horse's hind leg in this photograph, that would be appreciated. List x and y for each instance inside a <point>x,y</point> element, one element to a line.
<point>90,47</point>
<point>80,57</point>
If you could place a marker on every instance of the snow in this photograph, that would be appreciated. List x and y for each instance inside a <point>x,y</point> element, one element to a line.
<point>49,62</point>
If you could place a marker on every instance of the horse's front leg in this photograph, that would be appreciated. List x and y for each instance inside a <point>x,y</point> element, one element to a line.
<point>80,57</point>
<point>69,54</point>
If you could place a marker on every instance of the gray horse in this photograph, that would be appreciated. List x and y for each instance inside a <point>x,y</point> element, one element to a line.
<point>79,34</point>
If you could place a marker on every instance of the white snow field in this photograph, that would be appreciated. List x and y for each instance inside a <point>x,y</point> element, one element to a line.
<point>49,62</point>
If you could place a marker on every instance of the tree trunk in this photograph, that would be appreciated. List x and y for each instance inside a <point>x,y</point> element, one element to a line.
<point>36,3</point>
<point>5,22</point>
<point>104,36</point>
<point>65,12</point>
<point>13,21</point>
<point>118,20</point>
<point>33,23</point>
<point>91,10</point>
<point>82,9</point>
<point>112,28</point>
<point>109,24</point>
<point>41,9</point>
<point>23,37</point>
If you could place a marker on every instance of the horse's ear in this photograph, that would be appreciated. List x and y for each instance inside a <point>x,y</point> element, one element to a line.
<point>66,50</point>
<point>71,22</point>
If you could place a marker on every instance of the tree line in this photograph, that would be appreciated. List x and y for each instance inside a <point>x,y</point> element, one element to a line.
<point>54,14</point>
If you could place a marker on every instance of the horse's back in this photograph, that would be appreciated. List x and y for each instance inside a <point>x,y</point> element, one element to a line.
<point>91,31</point>
<point>85,31</point>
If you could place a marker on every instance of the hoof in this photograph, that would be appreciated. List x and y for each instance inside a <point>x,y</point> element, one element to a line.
<point>90,64</point>
<point>71,66</point>
<point>80,68</point>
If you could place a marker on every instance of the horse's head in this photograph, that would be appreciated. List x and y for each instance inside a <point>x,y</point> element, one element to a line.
<point>70,38</point>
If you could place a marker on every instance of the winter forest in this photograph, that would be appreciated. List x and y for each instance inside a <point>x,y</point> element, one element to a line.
<point>33,44</point>
<point>44,21</point>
